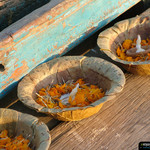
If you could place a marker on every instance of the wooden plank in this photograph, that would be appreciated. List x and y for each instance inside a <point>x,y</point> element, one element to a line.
<point>121,123</point>
<point>13,10</point>
<point>49,32</point>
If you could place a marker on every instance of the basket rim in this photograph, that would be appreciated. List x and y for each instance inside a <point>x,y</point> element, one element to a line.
<point>137,19</point>
<point>108,96</point>
<point>45,140</point>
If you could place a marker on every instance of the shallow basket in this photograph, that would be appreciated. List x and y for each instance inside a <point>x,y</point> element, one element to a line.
<point>111,38</point>
<point>93,70</point>
<point>17,123</point>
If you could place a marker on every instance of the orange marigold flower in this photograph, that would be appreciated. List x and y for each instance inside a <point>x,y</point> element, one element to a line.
<point>134,41</point>
<point>122,56</point>
<point>148,41</point>
<point>80,81</point>
<point>127,44</point>
<point>42,93</point>
<point>84,95</point>
<point>148,56</point>
<point>129,58</point>
<point>61,105</point>
<point>80,98</point>
<point>137,58</point>
<point>118,51</point>
<point>144,43</point>
<point>93,86</point>
<point>54,92</point>
<point>17,143</point>
<point>39,101</point>
<point>61,88</point>
<point>43,90</point>
<point>3,134</point>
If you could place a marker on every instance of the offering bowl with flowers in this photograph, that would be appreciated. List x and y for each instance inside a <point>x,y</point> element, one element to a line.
<point>128,42</point>
<point>19,131</point>
<point>71,88</point>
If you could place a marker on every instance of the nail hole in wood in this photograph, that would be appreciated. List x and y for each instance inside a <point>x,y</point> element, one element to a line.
<point>2,68</point>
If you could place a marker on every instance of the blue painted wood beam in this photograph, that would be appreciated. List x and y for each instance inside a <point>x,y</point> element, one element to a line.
<point>50,32</point>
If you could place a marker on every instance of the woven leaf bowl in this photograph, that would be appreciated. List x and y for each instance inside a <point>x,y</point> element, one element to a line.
<point>93,70</point>
<point>17,123</point>
<point>111,38</point>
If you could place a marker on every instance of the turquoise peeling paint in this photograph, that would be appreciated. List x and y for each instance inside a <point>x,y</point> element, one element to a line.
<point>22,36</point>
<point>56,39</point>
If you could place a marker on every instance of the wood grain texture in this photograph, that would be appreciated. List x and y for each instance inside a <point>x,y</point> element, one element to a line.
<point>121,124</point>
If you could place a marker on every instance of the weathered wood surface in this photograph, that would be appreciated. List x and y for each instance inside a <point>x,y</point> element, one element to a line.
<point>49,32</point>
<point>121,123</point>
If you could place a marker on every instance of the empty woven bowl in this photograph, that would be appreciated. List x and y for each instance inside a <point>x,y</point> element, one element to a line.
<point>93,70</point>
<point>17,123</point>
<point>109,39</point>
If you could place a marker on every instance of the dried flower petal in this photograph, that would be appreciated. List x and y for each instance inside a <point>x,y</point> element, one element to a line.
<point>127,44</point>
<point>17,143</point>
<point>70,95</point>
